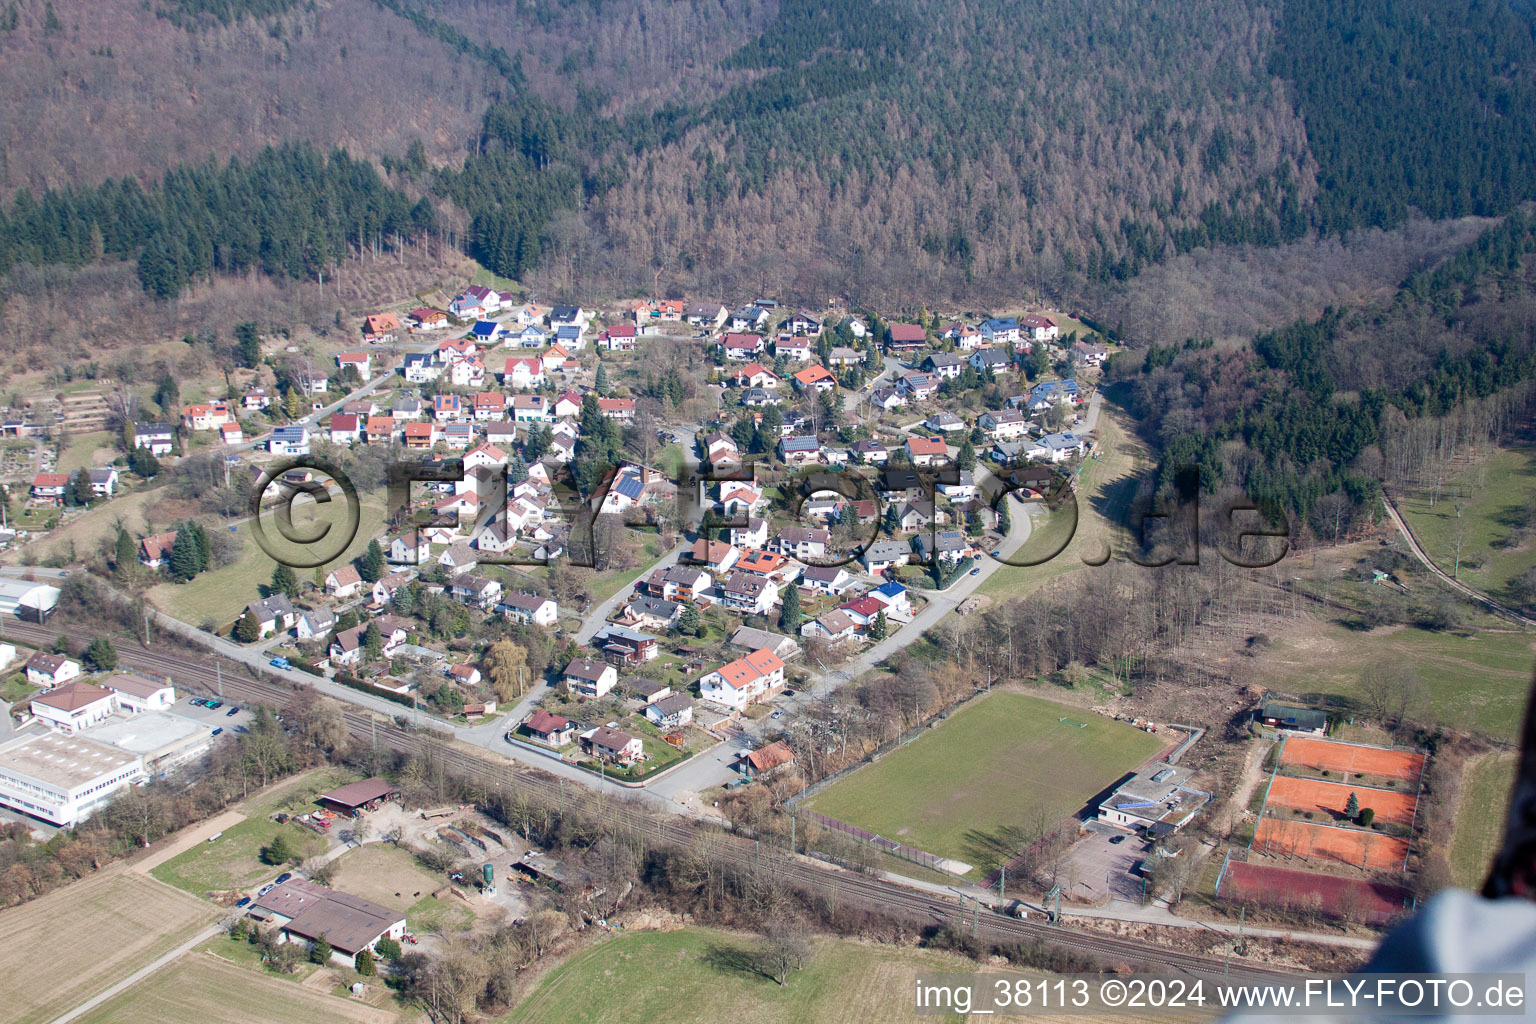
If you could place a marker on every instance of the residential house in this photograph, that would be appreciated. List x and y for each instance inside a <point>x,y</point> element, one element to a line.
<point>678,582</point>
<point>1001,330</point>
<point>740,499</point>
<point>458,436</point>
<point>920,386</point>
<point>424,318</point>
<point>476,591</point>
<point>625,647</point>
<point>312,625</point>
<point>273,615</point>
<point>969,339</point>
<point>834,627</point>
<point>1055,448</point>
<point>466,674</point>
<point>206,416</point>
<point>256,399</point>
<point>756,375</point>
<point>1089,353</point>
<point>754,398</point>
<point>803,323</point>
<point>523,372</point>
<point>530,409</point>
<point>343,428</point>
<point>798,450</point>
<point>749,318</point>
<point>945,545</point>
<point>886,399</point>
<point>927,451</point>
<point>570,338</point>
<point>885,554</point>
<point>477,301</point>
<point>894,596</point>
<point>467,373</point>
<point>767,563</point>
<point>343,583</point>
<point>945,422</point>
<point>1003,424</point>
<point>795,349</point>
<point>485,332</point>
<point>743,348</point>
<point>943,364</point>
<point>758,763</point>
<point>159,438</point>
<point>957,484</point>
<point>612,745</point>
<point>1040,328</point>
<point>362,362</point>
<point>589,678</point>
<point>843,356</point>
<point>421,436</point>
<point>550,730</point>
<point>716,555</point>
<point>671,712</point>
<point>749,594</point>
<point>74,706</point>
<point>652,612</point>
<point>531,336</point>
<point>1052,392</point>
<point>621,409</point>
<point>801,542</point>
<point>231,433</point>
<point>568,316</point>
<point>826,579</point>
<point>419,368</point>
<point>459,557</point>
<point>619,338</point>
<point>530,609</point>
<point>50,670</point>
<point>710,315</point>
<point>816,377</point>
<point>103,481</point>
<point>988,361</point>
<point>738,684</point>
<point>567,405</point>
<point>752,535</point>
<point>915,515</point>
<point>155,551</point>
<point>290,440</point>
<point>864,611</point>
<point>906,337</point>
<point>347,646</point>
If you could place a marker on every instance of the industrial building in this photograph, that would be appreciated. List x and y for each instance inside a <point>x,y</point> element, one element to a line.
<point>28,601</point>
<point>63,779</point>
<point>304,911</point>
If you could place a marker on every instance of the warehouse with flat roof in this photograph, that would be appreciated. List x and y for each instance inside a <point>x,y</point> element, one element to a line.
<point>63,779</point>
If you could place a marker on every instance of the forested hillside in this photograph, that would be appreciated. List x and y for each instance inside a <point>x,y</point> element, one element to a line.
<point>1331,408</point>
<point>892,151</point>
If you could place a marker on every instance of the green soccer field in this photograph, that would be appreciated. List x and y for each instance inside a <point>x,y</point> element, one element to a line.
<point>1002,762</point>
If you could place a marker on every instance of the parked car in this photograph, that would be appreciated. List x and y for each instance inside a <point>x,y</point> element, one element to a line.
<point>777,714</point>
<point>279,663</point>
<point>218,730</point>
<point>789,693</point>
<point>214,703</point>
<point>1116,840</point>
<point>975,570</point>
<point>232,711</point>
<point>265,889</point>
<point>283,877</point>
<point>245,901</point>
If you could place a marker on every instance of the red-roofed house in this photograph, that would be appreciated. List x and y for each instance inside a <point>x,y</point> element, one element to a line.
<point>617,408</point>
<point>756,375</point>
<point>907,337</point>
<point>427,319</point>
<point>927,451</point>
<point>48,488</point>
<point>381,328</point>
<point>743,347</point>
<point>361,361</point>
<point>548,729</point>
<point>620,338</point>
<point>343,428</point>
<point>523,372</point>
<point>379,428</point>
<point>818,377</point>
<point>738,684</point>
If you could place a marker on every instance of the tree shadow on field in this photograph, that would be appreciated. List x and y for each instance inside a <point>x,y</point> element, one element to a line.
<point>747,963</point>
<point>989,850</point>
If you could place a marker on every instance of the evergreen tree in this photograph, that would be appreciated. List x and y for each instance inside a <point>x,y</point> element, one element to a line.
<point>537,444</point>
<point>688,621</point>
<point>278,851</point>
<point>247,629</point>
<point>285,580</point>
<point>789,614</point>
<point>372,565</point>
<point>965,458</point>
<point>143,462</point>
<point>100,655</point>
<point>292,403</point>
<point>365,963</point>
<point>320,951</point>
<point>880,627</point>
<point>405,599</point>
<point>517,470</point>
<point>373,641</point>
<point>601,384</point>
<point>1352,807</point>
<point>185,559</point>
<point>80,492</point>
<point>247,344</point>
<point>891,521</point>
<point>204,546</point>
<point>125,554</point>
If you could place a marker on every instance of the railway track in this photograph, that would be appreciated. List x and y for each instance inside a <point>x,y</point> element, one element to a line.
<point>873,893</point>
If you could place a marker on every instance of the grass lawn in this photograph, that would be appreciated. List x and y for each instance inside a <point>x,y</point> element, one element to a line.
<point>99,523</point>
<point>389,875</point>
<point>221,594</point>
<point>88,935</point>
<point>486,279</point>
<point>199,989</point>
<point>1476,682</point>
<point>1495,491</point>
<point>999,763</point>
<point>1105,490</point>
<point>82,449</point>
<point>1480,818</point>
<point>16,688</point>
<point>699,974</point>
<point>234,860</point>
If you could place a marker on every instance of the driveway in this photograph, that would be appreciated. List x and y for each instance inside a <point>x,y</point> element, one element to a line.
<point>1100,867</point>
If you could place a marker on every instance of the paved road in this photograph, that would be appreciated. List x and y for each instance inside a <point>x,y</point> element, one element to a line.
<point>1446,578</point>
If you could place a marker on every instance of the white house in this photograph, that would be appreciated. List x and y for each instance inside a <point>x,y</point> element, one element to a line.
<point>530,609</point>
<point>344,582</point>
<point>136,693</point>
<point>74,706</point>
<point>50,670</point>
<point>590,678</point>
<point>743,682</point>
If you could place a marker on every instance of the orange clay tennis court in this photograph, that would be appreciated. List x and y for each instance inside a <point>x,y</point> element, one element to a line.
<point>1356,847</point>
<point>1312,795</point>
<point>1347,757</point>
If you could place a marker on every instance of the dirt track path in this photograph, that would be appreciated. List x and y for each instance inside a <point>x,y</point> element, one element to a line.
<point>187,839</point>
<point>1454,584</point>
